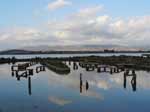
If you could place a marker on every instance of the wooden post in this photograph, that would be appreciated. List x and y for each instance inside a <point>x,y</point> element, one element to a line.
<point>44,68</point>
<point>30,71</point>
<point>69,63</point>
<point>18,78</point>
<point>93,68</point>
<point>37,70</point>
<point>99,69</point>
<point>133,72</point>
<point>16,73</point>
<point>111,71</point>
<point>117,70</point>
<point>104,69</point>
<point>12,68</point>
<point>12,73</point>
<point>87,68</point>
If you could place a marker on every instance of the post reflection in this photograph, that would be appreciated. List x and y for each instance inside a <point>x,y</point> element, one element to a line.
<point>29,85</point>
<point>25,73</point>
<point>87,85</point>
<point>133,80</point>
<point>81,84</point>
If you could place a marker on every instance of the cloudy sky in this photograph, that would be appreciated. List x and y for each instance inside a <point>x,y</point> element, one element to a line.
<point>72,22</point>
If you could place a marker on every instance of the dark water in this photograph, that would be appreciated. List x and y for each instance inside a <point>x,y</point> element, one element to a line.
<point>51,92</point>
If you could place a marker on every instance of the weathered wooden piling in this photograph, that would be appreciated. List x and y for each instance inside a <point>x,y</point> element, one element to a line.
<point>133,72</point>
<point>104,69</point>
<point>40,69</point>
<point>87,85</point>
<point>99,69</point>
<point>111,70</point>
<point>75,66</point>
<point>12,73</point>
<point>90,68</point>
<point>16,73</point>
<point>18,78</point>
<point>69,62</point>
<point>117,70</point>
<point>12,68</point>
<point>30,71</point>
<point>20,67</point>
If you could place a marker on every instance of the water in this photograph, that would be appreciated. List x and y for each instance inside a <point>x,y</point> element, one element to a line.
<point>51,92</point>
<point>70,55</point>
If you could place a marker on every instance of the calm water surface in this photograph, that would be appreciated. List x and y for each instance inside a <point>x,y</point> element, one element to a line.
<point>71,55</point>
<point>51,92</point>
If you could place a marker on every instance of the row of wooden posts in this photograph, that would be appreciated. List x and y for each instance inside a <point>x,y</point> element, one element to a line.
<point>26,72</point>
<point>100,68</point>
<point>22,67</point>
<point>104,68</point>
<point>111,69</point>
<point>40,68</point>
<point>16,69</point>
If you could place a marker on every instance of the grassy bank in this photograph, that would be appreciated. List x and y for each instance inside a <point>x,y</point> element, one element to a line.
<point>135,62</point>
<point>56,66</point>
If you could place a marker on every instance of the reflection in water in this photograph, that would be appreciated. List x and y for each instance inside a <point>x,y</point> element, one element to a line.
<point>87,85</point>
<point>59,100</point>
<point>125,81</point>
<point>81,84</point>
<point>27,73</point>
<point>52,91</point>
<point>95,88</point>
<point>29,85</point>
<point>133,80</point>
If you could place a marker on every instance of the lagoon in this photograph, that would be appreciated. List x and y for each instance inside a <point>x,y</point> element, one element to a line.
<point>48,91</point>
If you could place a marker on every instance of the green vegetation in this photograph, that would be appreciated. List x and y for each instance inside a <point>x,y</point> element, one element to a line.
<point>135,62</point>
<point>56,66</point>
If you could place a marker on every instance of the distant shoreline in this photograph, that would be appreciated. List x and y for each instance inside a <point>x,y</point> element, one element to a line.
<point>135,62</point>
<point>66,52</point>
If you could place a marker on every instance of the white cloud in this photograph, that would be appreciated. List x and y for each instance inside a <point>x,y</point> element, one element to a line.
<point>89,12</point>
<point>58,4</point>
<point>86,26</point>
<point>105,29</point>
<point>4,36</point>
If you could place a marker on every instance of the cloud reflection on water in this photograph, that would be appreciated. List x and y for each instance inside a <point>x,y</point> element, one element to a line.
<point>59,101</point>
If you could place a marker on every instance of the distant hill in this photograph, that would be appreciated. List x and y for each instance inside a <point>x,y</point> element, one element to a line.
<point>16,51</point>
<point>69,49</point>
<point>79,48</point>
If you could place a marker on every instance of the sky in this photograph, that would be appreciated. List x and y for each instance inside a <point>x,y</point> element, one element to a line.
<point>74,22</point>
